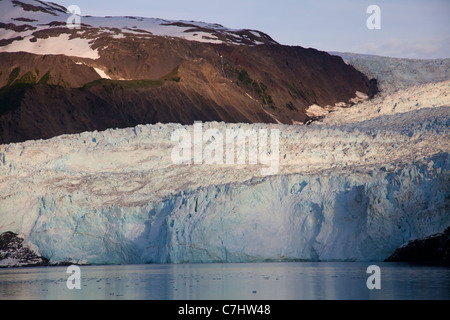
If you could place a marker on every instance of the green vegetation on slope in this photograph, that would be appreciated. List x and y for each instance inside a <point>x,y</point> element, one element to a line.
<point>256,87</point>
<point>143,83</point>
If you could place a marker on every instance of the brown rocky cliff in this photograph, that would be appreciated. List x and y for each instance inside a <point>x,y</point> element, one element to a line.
<point>161,79</point>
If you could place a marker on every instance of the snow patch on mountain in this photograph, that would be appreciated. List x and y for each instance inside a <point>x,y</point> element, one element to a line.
<point>23,23</point>
<point>102,73</point>
<point>316,111</point>
<point>61,44</point>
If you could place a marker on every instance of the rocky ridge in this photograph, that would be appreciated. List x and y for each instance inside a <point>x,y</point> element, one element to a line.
<point>118,72</point>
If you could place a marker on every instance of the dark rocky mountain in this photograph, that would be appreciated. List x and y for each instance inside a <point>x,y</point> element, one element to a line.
<point>131,73</point>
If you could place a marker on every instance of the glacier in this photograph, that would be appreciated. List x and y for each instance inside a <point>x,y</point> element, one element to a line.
<point>353,187</point>
<point>353,217</point>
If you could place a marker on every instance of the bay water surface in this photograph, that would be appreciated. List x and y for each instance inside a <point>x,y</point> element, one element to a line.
<point>233,281</point>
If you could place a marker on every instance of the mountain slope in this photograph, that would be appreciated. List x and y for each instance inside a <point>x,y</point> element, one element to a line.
<point>154,71</point>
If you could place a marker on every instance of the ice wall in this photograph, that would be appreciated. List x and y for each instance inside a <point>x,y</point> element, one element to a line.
<point>333,216</point>
<point>355,186</point>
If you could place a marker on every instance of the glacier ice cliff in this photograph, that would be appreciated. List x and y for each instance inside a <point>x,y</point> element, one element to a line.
<point>354,187</point>
<point>345,216</point>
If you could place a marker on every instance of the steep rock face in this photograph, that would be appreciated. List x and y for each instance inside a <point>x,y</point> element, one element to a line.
<point>46,112</point>
<point>159,71</point>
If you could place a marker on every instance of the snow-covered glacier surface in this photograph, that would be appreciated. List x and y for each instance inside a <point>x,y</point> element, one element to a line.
<point>397,73</point>
<point>354,188</point>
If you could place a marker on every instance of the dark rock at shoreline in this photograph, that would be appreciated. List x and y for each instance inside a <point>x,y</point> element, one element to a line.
<point>14,254</point>
<point>435,248</point>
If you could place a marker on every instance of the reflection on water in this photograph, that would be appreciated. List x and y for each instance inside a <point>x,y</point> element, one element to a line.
<point>267,281</point>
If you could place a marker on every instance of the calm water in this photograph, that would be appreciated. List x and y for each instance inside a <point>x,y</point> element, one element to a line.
<point>268,281</point>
